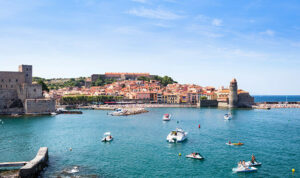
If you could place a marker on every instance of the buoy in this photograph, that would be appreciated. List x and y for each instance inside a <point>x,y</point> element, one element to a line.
<point>199,126</point>
<point>293,170</point>
<point>177,122</point>
<point>70,149</point>
<point>179,154</point>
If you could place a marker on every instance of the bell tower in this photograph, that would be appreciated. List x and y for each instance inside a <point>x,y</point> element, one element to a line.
<point>233,96</point>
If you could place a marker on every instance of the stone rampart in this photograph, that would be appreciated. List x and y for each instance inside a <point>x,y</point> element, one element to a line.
<point>208,103</point>
<point>11,80</point>
<point>35,166</point>
<point>39,106</point>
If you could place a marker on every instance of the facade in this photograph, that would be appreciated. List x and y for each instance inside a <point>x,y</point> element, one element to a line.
<point>18,95</point>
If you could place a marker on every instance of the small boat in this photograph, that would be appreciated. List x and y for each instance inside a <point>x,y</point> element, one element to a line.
<point>177,135</point>
<point>244,169</point>
<point>194,156</point>
<point>235,144</point>
<point>53,113</point>
<point>249,163</point>
<point>107,137</point>
<point>167,117</point>
<point>227,116</point>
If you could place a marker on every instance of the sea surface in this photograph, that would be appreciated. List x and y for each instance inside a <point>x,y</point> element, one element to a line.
<point>139,148</point>
<point>276,98</point>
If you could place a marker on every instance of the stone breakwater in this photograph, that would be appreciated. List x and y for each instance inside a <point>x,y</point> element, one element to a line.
<point>279,105</point>
<point>129,111</point>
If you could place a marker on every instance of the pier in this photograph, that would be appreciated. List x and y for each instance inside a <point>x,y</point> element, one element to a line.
<point>31,168</point>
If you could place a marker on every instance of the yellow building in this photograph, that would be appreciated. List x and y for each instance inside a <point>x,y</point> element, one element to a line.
<point>171,98</point>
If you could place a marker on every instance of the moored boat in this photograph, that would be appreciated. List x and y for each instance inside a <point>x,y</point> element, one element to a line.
<point>177,135</point>
<point>107,137</point>
<point>227,116</point>
<point>194,156</point>
<point>167,117</point>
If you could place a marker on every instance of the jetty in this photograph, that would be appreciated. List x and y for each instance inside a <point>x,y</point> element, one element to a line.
<point>30,168</point>
<point>269,105</point>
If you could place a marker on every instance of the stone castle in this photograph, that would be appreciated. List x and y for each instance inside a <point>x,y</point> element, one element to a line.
<point>18,95</point>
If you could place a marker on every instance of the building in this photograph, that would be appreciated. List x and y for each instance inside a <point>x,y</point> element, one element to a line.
<point>18,95</point>
<point>119,76</point>
<point>233,97</point>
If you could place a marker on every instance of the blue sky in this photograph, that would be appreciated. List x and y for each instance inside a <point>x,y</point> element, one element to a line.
<point>206,42</point>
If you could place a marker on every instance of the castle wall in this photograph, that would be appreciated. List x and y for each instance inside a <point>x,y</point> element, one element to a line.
<point>245,100</point>
<point>11,80</point>
<point>207,103</point>
<point>223,104</point>
<point>9,102</point>
<point>39,106</point>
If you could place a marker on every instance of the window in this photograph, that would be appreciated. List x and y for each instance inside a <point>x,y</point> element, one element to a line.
<point>26,75</point>
<point>2,80</point>
<point>9,80</point>
<point>34,90</point>
<point>0,86</point>
<point>16,80</point>
<point>11,86</point>
<point>26,69</point>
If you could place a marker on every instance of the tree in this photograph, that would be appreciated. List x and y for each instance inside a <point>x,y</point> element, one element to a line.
<point>143,78</point>
<point>44,86</point>
<point>167,80</point>
<point>203,98</point>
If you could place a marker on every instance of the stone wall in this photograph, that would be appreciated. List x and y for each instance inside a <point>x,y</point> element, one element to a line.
<point>35,166</point>
<point>223,104</point>
<point>208,103</point>
<point>39,106</point>
<point>11,80</point>
<point>9,102</point>
<point>245,100</point>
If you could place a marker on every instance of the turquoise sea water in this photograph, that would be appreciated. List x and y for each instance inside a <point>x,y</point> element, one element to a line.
<point>140,149</point>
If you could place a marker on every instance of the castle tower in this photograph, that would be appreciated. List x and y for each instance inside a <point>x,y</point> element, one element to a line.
<point>27,70</point>
<point>233,96</point>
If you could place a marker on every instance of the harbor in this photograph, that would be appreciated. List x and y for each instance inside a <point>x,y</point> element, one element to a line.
<point>141,141</point>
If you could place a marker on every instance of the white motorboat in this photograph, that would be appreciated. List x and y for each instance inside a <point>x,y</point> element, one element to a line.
<point>107,137</point>
<point>53,113</point>
<point>244,169</point>
<point>167,117</point>
<point>249,163</point>
<point>194,156</point>
<point>177,135</point>
<point>227,116</point>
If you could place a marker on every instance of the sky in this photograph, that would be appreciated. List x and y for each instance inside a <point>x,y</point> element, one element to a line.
<point>205,42</point>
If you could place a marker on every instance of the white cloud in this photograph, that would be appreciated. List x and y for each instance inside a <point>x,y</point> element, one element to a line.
<point>154,14</point>
<point>140,1</point>
<point>268,32</point>
<point>216,22</point>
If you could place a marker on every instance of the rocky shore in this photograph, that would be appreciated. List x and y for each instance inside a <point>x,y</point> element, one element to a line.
<point>129,111</point>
